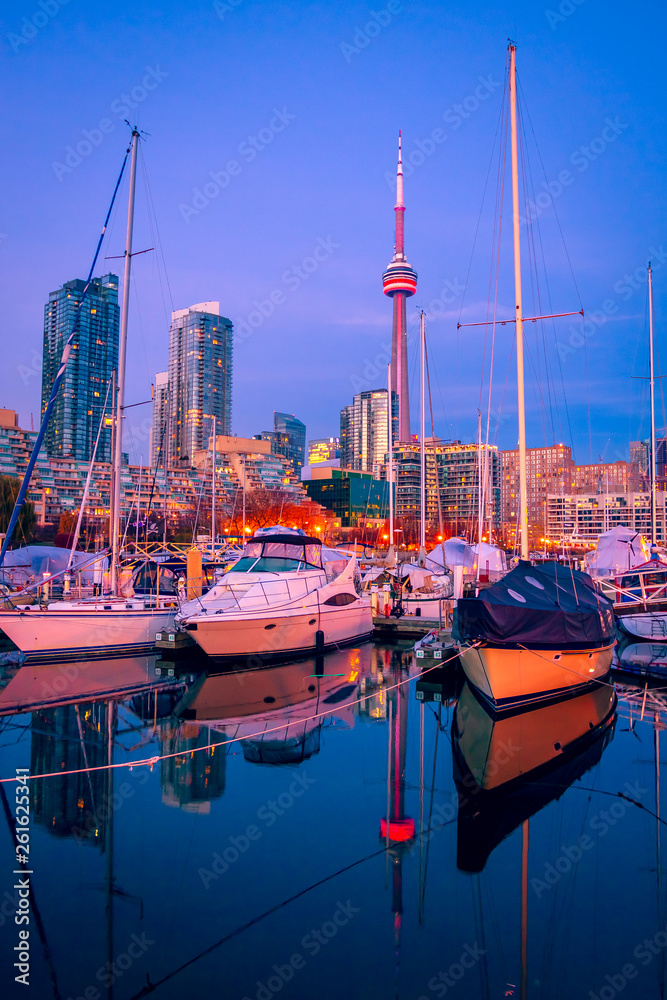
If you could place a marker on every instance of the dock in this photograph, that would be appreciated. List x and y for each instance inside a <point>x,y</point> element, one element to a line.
<point>406,627</point>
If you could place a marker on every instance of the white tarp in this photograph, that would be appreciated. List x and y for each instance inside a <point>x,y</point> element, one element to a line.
<point>489,559</point>
<point>26,565</point>
<point>457,553</point>
<point>616,552</point>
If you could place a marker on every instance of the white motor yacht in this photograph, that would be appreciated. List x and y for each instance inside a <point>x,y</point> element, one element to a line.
<point>278,600</point>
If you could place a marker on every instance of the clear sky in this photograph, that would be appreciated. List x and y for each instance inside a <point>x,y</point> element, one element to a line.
<point>295,109</point>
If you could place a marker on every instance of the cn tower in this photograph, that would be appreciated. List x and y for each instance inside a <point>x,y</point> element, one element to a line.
<point>399,281</point>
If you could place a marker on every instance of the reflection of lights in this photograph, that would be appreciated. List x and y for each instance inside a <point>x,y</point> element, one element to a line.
<point>353,676</point>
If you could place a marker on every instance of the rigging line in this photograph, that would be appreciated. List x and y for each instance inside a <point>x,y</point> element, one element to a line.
<point>150,761</point>
<point>488,172</point>
<point>497,226</point>
<point>67,350</point>
<point>157,240</point>
<point>588,398</point>
<point>533,255</point>
<point>553,203</point>
<point>150,987</point>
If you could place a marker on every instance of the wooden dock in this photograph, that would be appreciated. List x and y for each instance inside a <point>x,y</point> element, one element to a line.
<point>407,627</point>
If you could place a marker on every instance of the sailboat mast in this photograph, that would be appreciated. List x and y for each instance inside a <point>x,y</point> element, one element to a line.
<point>213,494</point>
<point>523,482</point>
<point>422,432</point>
<point>390,474</point>
<point>652,373</point>
<point>122,360</point>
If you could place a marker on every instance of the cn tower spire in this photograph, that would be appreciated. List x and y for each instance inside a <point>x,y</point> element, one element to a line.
<point>399,281</point>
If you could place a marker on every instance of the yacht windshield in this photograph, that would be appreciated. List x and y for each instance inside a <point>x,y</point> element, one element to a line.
<point>278,557</point>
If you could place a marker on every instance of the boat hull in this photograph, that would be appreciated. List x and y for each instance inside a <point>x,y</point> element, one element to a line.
<point>510,678</point>
<point>269,636</point>
<point>652,627</point>
<point>51,634</point>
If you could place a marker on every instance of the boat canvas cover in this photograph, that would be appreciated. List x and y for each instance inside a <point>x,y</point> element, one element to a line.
<point>548,606</point>
<point>617,551</point>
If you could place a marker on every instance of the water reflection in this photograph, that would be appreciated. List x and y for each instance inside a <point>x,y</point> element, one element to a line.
<point>508,768</point>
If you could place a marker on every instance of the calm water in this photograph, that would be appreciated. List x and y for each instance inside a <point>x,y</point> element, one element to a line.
<point>261,868</point>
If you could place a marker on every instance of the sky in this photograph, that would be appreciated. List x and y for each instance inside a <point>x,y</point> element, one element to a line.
<point>266,183</point>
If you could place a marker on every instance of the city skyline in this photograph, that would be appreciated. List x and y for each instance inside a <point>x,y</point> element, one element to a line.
<point>282,287</point>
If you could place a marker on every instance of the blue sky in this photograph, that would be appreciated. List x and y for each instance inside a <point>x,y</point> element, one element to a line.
<point>304,101</point>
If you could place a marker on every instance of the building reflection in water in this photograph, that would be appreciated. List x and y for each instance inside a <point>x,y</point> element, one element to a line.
<point>193,777</point>
<point>70,738</point>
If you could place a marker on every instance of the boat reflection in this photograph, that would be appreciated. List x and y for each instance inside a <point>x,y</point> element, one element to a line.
<point>507,769</point>
<point>277,713</point>
<point>648,659</point>
<point>37,686</point>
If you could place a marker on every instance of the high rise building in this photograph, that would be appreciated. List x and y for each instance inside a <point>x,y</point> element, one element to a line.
<point>364,441</point>
<point>200,379</point>
<point>287,424</point>
<point>323,450</point>
<point>159,430</point>
<point>399,281</point>
<point>78,408</point>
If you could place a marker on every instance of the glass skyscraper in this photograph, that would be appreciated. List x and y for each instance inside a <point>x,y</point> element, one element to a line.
<point>78,409</point>
<point>364,443</point>
<point>295,450</point>
<point>200,379</point>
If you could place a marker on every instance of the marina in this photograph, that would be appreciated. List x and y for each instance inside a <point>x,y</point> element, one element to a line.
<point>333,503</point>
<point>452,843</point>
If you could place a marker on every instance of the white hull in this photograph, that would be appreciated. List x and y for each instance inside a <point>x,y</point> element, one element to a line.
<point>283,632</point>
<point>508,678</point>
<point>73,630</point>
<point>652,627</point>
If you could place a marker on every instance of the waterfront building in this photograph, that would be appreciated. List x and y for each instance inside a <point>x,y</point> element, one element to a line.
<point>552,470</point>
<point>574,518</point>
<point>399,282</point>
<point>364,442</point>
<point>354,498</point>
<point>290,439</point>
<point>78,408</point>
<point>323,450</point>
<point>159,439</point>
<point>200,379</point>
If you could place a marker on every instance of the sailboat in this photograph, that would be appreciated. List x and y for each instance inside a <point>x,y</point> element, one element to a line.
<point>105,625</point>
<point>541,631</point>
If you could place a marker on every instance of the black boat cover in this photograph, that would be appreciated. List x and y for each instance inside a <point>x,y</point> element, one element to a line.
<point>546,606</point>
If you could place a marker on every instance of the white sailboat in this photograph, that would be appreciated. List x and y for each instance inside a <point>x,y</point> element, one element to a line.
<point>540,632</point>
<point>104,625</point>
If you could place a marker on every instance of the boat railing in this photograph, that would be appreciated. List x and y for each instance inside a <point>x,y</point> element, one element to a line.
<point>262,594</point>
<point>637,594</point>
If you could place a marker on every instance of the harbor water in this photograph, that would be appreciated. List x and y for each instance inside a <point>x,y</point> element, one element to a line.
<point>346,826</point>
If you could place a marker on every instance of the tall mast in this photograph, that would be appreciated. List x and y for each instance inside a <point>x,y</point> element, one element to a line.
<point>122,360</point>
<point>523,487</point>
<point>654,538</point>
<point>390,456</point>
<point>422,443</point>
<point>213,495</point>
